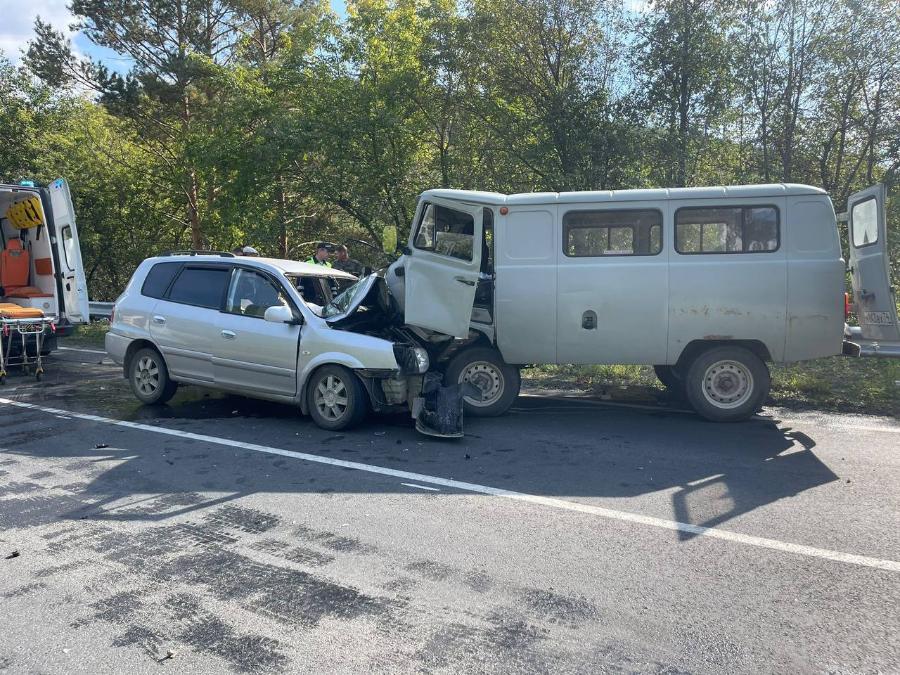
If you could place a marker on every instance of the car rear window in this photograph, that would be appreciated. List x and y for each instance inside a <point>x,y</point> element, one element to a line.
<point>158,279</point>
<point>200,286</point>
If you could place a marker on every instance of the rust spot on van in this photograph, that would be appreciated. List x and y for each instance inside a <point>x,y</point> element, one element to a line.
<point>718,337</point>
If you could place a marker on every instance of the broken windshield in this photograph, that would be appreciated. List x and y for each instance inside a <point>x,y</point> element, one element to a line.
<point>350,299</point>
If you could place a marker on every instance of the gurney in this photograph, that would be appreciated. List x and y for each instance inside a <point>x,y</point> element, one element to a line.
<point>20,323</point>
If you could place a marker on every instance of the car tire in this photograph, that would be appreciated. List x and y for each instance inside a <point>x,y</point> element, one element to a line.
<point>486,369</point>
<point>336,398</point>
<point>727,384</point>
<point>149,377</point>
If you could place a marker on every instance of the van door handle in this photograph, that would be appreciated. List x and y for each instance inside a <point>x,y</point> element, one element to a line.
<point>463,280</point>
<point>159,320</point>
<point>229,334</point>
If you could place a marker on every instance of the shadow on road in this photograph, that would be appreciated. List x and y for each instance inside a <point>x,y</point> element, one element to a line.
<point>567,448</point>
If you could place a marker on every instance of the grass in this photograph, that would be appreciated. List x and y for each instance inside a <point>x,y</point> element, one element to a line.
<point>89,335</point>
<point>840,384</point>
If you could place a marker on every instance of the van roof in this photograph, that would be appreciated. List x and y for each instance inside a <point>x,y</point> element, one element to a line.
<point>656,194</point>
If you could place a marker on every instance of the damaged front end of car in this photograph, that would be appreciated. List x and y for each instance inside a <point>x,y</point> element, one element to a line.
<point>367,308</point>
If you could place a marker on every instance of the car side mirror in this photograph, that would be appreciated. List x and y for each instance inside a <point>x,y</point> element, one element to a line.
<point>280,314</point>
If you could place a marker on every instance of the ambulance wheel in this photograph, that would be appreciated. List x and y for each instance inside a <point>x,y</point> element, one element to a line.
<point>336,398</point>
<point>149,377</point>
<point>497,381</point>
<point>727,384</point>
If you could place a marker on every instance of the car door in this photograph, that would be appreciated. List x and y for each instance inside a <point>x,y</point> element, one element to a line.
<point>249,353</point>
<point>873,296</point>
<point>183,322</point>
<point>442,266</point>
<point>72,280</point>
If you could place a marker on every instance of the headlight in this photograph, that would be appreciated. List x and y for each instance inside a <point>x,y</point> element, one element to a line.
<point>421,359</point>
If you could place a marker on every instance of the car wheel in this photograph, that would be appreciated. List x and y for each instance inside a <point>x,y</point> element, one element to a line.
<point>336,398</point>
<point>149,377</point>
<point>484,368</point>
<point>727,384</point>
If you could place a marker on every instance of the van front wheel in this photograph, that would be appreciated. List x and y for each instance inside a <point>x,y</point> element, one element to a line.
<point>497,382</point>
<point>727,384</point>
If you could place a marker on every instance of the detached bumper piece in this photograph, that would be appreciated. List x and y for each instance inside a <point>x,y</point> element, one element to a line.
<point>441,412</point>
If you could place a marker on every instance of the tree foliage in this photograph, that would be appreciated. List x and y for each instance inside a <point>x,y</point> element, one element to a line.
<point>276,122</point>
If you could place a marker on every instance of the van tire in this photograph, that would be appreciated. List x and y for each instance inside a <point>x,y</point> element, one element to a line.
<point>484,366</point>
<point>149,378</point>
<point>727,384</point>
<point>326,388</point>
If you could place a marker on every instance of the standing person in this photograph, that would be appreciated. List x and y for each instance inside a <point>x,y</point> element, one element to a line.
<point>345,263</point>
<point>237,250</point>
<point>321,255</point>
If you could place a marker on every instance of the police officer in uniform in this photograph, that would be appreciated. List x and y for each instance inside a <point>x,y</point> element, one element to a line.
<point>321,255</point>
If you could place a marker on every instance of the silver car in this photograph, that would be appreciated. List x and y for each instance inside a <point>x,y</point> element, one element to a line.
<point>280,330</point>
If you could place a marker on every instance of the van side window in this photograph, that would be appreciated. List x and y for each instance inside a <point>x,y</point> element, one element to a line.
<point>158,279</point>
<point>200,286</point>
<point>619,232</point>
<point>729,229</point>
<point>446,232</point>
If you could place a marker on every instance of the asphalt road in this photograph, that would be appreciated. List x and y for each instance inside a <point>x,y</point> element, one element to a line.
<point>219,533</point>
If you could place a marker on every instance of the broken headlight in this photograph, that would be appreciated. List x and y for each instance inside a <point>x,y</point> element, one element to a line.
<point>412,360</point>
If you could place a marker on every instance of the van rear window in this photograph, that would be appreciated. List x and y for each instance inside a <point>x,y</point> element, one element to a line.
<point>614,232</point>
<point>729,229</point>
<point>158,279</point>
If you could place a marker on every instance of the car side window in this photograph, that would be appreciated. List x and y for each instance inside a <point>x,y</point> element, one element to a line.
<point>737,229</point>
<point>158,279</point>
<point>251,294</point>
<point>200,286</point>
<point>446,232</point>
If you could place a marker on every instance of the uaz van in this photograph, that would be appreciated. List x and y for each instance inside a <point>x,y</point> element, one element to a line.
<point>706,284</point>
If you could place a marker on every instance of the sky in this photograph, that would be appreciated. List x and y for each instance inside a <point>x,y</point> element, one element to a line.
<point>17,28</point>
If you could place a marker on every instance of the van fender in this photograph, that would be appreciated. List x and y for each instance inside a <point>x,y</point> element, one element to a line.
<point>695,347</point>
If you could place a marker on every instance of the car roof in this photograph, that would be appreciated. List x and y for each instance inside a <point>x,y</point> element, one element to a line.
<point>654,194</point>
<point>293,267</point>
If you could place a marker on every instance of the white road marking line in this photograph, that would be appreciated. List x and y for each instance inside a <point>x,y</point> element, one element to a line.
<point>420,487</point>
<point>552,502</point>
<point>78,349</point>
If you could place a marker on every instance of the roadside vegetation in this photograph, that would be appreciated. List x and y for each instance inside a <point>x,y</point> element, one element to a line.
<point>276,123</point>
<point>839,384</point>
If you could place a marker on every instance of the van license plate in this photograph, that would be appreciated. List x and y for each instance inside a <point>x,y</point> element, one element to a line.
<point>877,318</point>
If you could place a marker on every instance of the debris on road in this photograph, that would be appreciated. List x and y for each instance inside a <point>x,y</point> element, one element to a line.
<point>100,446</point>
<point>14,554</point>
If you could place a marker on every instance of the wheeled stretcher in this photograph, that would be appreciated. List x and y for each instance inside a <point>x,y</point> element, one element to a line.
<point>23,324</point>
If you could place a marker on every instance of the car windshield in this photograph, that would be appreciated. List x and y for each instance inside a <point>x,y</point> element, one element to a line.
<point>343,302</point>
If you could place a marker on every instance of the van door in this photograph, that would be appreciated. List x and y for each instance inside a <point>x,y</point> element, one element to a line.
<point>74,298</point>
<point>873,296</point>
<point>442,266</point>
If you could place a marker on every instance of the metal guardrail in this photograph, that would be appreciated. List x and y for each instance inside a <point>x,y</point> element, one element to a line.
<point>100,310</point>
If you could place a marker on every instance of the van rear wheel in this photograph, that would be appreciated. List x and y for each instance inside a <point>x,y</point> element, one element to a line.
<point>727,384</point>
<point>498,382</point>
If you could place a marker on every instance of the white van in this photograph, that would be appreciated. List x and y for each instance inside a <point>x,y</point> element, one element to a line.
<point>706,284</point>
<point>40,257</point>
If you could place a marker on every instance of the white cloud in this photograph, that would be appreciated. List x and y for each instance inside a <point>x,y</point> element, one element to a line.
<point>17,22</point>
